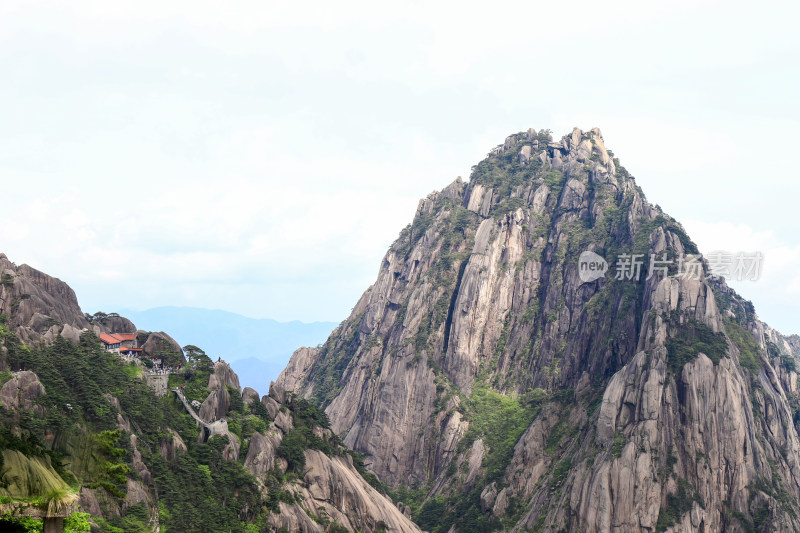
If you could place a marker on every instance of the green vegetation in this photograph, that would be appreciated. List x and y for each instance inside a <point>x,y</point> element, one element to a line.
<point>202,479</point>
<point>305,416</point>
<point>749,350</point>
<point>197,359</point>
<point>690,339</point>
<point>618,445</point>
<point>194,374</point>
<point>335,355</point>
<point>113,473</point>
<point>89,449</point>
<point>560,472</point>
<point>500,421</point>
<point>677,505</point>
<point>412,497</point>
<point>75,523</point>
<point>439,514</point>
<point>560,431</point>
<point>99,316</point>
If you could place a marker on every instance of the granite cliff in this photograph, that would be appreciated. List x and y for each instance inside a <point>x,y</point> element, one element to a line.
<point>494,388</point>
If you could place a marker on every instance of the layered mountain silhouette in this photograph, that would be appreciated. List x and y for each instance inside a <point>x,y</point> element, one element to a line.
<point>258,349</point>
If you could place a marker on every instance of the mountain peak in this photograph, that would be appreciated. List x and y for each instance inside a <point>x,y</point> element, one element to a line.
<point>483,365</point>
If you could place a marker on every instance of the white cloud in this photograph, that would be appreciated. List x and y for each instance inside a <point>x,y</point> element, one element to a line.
<point>775,294</point>
<point>261,156</point>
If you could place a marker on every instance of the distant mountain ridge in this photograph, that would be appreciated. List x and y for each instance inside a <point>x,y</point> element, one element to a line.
<point>257,348</point>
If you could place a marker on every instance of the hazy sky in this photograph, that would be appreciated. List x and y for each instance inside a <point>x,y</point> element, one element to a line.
<point>260,157</point>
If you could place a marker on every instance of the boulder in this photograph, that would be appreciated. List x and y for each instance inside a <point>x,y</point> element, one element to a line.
<point>260,457</point>
<point>277,392</point>
<point>215,405</point>
<point>283,420</point>
<point>271,405</point>
<point>159,344</point>
<point>249,395</point>
<point>114,324</point>
<point>21,391</point>
<point>171,447</point>
<point>88,502</point>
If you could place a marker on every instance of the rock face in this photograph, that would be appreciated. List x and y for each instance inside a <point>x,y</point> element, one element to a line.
<point>21,391</point>
<point>482,363</point>
<point>249,395</point>
<point>223,376</point>
<point>113,324</point>
<point>37,305</point>
<point>299,365</point>
<point>171,448</point>
<point>39,308</point>
<point>261,453</point>
<point>215,405</point>
<point>331,485</point>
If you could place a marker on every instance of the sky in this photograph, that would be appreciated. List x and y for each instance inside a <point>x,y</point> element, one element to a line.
<point>260,157</point>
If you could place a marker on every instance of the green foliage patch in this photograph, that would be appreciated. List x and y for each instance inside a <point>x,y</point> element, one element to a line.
<point>500,421</point>
<point>305,417</point>
<point>689,340</point>
<point>330,364</point>
<point>81,420</point>
<point>749,350</point>
<point>75,523</point>
<point>677,505</point>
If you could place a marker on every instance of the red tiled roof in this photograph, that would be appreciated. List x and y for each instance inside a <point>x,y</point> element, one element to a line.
<point>130,349</point>
<point>116,338</point>
<point>109,339</point>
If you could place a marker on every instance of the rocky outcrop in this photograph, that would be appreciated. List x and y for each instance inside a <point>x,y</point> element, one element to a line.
<point>629,402</point>
<point>88,503</point>
<point>36,304</point>
<point>292,377</point>
<point>331,486</point>
<point>223,377</point>
<point>113,324</point>
<point>172,447</point>
<point>260,457</point>
<point>159,345</point>
<point>135,493</point>
<point>21,391</point>
<point>249,395</point>
<point>138,463</point>
<point>215,406</point>
<point>334,489</point>
<point>40,308</point>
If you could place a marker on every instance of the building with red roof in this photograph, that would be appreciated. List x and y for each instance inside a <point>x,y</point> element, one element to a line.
<point>117,342</point>
<point>130,351</point>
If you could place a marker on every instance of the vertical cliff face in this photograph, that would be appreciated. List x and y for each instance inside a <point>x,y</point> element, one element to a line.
<point>481,368</point>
